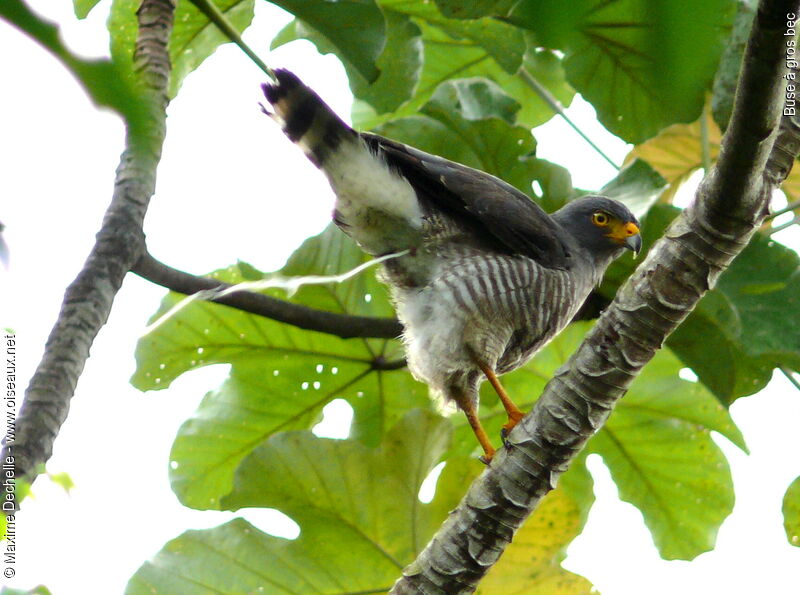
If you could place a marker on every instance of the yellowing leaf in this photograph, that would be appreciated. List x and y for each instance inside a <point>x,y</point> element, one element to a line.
<point>677,151</point>
<point>532,563</point>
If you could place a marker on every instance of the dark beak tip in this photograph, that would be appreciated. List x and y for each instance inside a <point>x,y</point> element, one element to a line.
<point>634,243</point>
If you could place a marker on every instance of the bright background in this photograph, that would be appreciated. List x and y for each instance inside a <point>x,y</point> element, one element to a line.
<point>231,187</point>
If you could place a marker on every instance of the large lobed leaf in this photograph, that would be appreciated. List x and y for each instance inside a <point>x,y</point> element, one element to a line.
<point>281,376</point>
<point>642,64</point>
<point>361,520</point>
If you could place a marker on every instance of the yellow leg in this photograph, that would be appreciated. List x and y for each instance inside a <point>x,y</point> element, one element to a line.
<point>469,410</point>
<point>513,412</point>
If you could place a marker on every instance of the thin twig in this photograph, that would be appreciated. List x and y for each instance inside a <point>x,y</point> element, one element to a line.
<point>790,207</point>
<point>558,108</point>
<point>790,376</point>
<point>782,226</point>
<point>214,14</point>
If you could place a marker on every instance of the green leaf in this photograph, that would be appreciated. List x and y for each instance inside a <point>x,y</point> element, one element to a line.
<point>353,503</point>
<point>468,121</point>
<point>458,9</point>
<point>338,481</point>
<point>40,590</point>
<point>643,65</point>
<point>471,99</point>
<point>400,61</point>
<point>357,503</point>
<point>637,185</point>
<point>106,83</point>
<point>82,8</point>
<point>194,37</point>
<point>448,58</point>
<point>657,444</point>
<point>791,513</point>
<point>658,447</point>
<point>356,28</point>
<point>504,43</point>
<point>281,376</point>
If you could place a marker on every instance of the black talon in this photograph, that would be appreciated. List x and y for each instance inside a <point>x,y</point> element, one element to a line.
<point>504,437</point>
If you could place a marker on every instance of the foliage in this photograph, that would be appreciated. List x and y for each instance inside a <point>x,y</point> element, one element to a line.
<point>461,80</point>
<point>791,513</point>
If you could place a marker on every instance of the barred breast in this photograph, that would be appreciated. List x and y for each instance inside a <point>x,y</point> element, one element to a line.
<point>488,307</point>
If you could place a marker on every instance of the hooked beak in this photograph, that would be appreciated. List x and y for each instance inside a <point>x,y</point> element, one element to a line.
<point>634,244</point>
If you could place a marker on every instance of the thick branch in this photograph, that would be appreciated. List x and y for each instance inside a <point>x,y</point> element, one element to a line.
<point>662,292</point>
<point>341,325</point>
<point>120,242</point>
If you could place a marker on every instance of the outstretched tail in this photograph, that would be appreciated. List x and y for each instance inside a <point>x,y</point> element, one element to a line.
<point>375,205</point>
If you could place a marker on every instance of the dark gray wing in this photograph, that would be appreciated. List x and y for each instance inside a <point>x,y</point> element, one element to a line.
<point>497,212</point>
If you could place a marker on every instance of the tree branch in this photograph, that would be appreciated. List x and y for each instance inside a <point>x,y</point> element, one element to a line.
<point>679,269</point>
<point>332,323</point>
<point>120,242</point>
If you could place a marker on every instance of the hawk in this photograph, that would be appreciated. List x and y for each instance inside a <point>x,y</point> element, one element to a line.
<point>487,278</point>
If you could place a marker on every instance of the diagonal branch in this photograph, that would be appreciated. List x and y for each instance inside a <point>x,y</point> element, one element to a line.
<point>342,325</point>
<point>120,242</point>
<point>700,244</point>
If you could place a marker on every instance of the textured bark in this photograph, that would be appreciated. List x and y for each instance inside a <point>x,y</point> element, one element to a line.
<point>332,323</point>
<point>701,243</point>
<point>120,243</point>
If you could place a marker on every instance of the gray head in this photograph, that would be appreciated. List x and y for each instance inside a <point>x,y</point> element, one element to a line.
<point>602,227</point>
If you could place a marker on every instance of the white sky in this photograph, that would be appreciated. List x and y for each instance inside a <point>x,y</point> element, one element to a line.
<point>230,187</point>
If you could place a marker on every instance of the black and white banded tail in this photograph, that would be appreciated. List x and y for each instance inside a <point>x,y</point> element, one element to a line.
<point>375,205</point>
<point>304,117</point>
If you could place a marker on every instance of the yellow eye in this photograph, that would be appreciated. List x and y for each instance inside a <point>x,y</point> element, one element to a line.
<point>600,219</point>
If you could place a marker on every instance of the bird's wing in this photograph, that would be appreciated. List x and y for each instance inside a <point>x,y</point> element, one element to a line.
<point>497,211</point>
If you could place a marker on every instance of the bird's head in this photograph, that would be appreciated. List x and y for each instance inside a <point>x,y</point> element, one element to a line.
<point>601,226</point>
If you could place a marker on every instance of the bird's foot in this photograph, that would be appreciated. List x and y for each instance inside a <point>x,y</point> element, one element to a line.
<point>487,457</point>
<point>513,420</point>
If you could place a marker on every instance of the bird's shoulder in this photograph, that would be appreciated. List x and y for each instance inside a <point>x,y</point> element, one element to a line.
<point>491,211</point>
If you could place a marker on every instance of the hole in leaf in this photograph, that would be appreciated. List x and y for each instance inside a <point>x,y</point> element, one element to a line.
<point>428,487</point>
<point>271,521</point>
<point>337,417</point>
